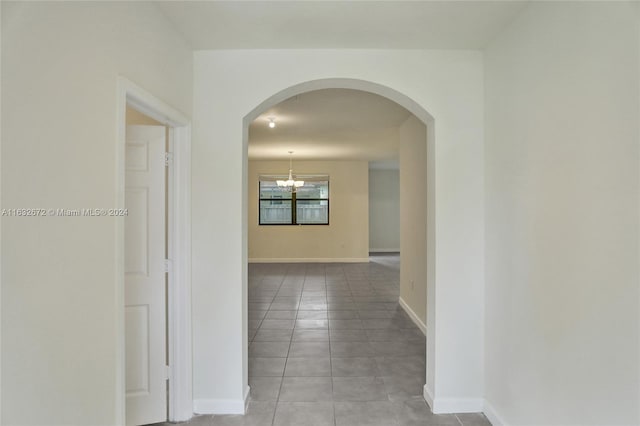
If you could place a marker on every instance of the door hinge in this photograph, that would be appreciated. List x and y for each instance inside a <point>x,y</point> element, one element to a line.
<point>168,158</point>
<point>167,265</point>
<point>168,372</point>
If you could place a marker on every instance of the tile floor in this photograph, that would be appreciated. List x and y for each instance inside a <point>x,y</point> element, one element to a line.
<point>329,345</point>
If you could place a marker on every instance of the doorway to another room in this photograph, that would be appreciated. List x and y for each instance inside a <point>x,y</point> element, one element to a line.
<point>328,321</point>
<point>154,258</point>
<point>146,269</point>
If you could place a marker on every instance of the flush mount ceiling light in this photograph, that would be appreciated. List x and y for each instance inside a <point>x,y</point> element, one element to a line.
<point>290,184</point>
<point>272,122</point>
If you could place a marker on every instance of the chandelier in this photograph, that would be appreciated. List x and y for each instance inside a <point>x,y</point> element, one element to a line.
<point>290,184</point>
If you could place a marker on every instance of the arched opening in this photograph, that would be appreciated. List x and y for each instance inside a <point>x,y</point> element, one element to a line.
<point>429,237</point>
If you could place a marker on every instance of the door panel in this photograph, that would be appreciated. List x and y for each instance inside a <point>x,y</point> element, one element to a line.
<point>137,325</point>
<point>145,279</point>
<point>136,232</point>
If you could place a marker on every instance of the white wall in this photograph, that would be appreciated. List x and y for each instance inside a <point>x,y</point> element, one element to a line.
<point>384,210</point>
<point>60,63</point>
<point>228,86</point>
<point>345,239</point>
<point>413,218</point>
<point>562,216</point>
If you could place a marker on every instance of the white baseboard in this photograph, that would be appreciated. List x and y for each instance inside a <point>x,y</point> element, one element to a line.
<point>310,260</point>
<point>492,415</point>
<point>458,405</point>
<point>463,405</point>
<point>220,406</point>
<point>384,250</point>
<point>427,396</point>
<point>247,392</point>
<point>453,405</point>
<point>417,321</point>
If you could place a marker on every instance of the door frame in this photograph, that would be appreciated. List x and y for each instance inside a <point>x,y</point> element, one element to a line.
<point>180,402</point>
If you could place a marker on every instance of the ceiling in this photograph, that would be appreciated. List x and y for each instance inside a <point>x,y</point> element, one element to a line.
<point>329,124</point>
<point>450,24</point>
<point>336,123</point>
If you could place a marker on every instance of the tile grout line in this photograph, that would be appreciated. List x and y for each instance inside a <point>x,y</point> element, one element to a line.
<point>261,320</point>
<point>275,408</point>
<point>362,291</point>
<point>326,298</point>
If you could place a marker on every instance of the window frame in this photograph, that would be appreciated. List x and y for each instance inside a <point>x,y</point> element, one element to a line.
<point>293,200</point>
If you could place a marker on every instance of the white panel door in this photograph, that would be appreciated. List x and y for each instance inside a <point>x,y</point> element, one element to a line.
<point>145,278</point>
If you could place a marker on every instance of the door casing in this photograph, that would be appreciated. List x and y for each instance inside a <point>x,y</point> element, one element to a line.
<point>179,248</point>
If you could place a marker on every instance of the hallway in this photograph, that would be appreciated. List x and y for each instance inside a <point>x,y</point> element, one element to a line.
<point>329,345</point>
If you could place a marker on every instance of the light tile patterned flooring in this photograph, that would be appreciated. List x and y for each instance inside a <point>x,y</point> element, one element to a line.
<point>329,345</point>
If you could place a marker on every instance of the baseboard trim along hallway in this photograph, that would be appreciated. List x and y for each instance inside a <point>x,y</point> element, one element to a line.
<point>417,321</point>
<point>457,405</point>
<point>220,406</point>
<point>330,344</point>
<point>462,405</point>
<point>310,260</point>
<point>492,415</point>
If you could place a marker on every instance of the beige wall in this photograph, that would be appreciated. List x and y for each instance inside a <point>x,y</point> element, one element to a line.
<point>346,238</point>
<point>413,216</point>
<point>137,118</point>
<point>562,217</point>
<point>384,210</point>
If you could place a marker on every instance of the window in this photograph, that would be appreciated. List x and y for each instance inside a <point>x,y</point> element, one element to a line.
<point>309,205</point>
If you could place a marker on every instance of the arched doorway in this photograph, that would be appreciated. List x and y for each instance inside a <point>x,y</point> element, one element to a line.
<point>428,121</point>
<point>228,87</point>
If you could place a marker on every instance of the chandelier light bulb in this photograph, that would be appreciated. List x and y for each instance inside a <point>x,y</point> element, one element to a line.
<point>290,184</point>
<point>272,123</point>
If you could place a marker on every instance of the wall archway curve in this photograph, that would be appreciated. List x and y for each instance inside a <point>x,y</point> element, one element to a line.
<point>230,88</point>
<point>342,83</point>
<point>425,117</point>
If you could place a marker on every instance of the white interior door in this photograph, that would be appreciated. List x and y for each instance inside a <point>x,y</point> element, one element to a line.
<point>145,277</point>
